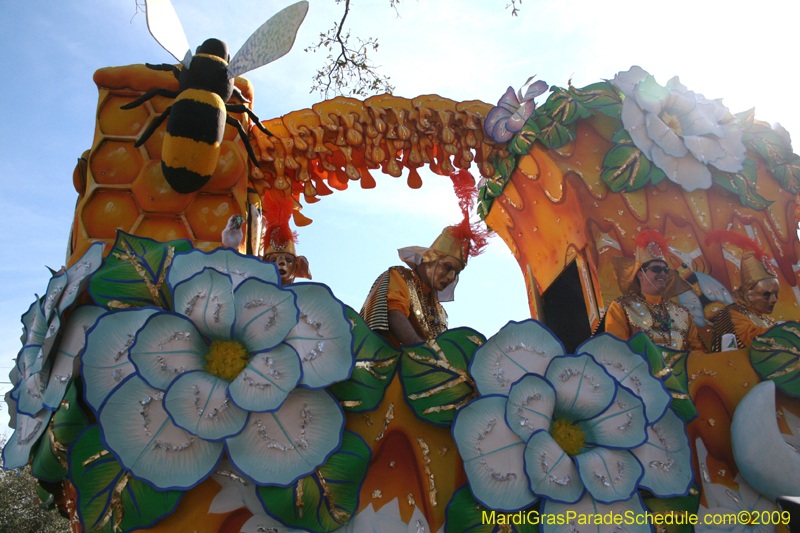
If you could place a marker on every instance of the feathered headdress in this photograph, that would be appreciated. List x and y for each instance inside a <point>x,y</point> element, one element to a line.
<point>756,263</point>
<point>469,239</point>
<point>279,237</point>
<point>650,246</point>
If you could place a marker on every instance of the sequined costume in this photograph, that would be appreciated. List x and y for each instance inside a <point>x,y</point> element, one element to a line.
<point>667,324</point>
<point>743,322</point>
<point>400,289</point>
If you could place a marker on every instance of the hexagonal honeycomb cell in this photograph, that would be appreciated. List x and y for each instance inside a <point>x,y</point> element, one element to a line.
<point>108,210</point>
<point>155,142</point>
<point>155,195</point>
<point>208,215</point>
<point>116,163</point>
<point>122,122</point>
<point>162,228</point>
<point>230,169</point>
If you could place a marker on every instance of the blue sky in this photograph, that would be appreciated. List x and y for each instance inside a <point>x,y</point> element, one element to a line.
<point>460,49</point>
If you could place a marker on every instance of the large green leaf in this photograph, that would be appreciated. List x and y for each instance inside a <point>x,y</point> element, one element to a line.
<point>563,108</point>
<point>135,271</point>
<point>602,97</point>
<point>743,184</point>
<point>766,141</point>
<point>523,141</point>
<point>376,361</point>
<point>775,355</point>
<point>109,500</point>
<point>675,380</point>
<point>626,169</point>
<point>788,173</point>
<point>50,458</point>
<point>329,498</point>
<point>465,514</point>
<point>553,133</point>
<point>679,505</point>
<point>435,376</point>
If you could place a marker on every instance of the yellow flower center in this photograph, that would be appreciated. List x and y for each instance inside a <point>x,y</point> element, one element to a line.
<point>672,123</point>
<point>226,359</point>
<point>568,436</point>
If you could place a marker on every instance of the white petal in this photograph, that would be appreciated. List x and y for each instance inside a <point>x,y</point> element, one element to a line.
<point>519,348</point>
<point>583,387</point>
<point>609,475</point>
<point>267,380</point>
<point>137,429</point>
<point>650,96</point>
<point>224,260</point>
<point>105,361</point>
<point>493,455</point>
<point>322,337</point>
<point>589,507</point>
<point>167,345</point>
<point>265,313</point>
<point>531,402</point>
<point>665,137</point>
<point>551,472</point>
<point>633,119</point>
<point>79,273</point>
<point>687,171</point>
<point>734,149</point>
<point>18,448</point>
<point>622,425</point>
<point>666,457</point>
<point>705,148</point>
<point>280,447</point>
<point>207,300</point>
<point>627,80</point>
<point>237,491</point>
<point>198,402</point>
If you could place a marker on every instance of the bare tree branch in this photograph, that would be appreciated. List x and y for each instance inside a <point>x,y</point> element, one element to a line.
<point>514,9</point>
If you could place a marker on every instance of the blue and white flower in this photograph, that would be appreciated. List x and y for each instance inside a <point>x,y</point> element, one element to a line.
<point>680,131</point>
<point>45,365</point>
<point>513,110</point>
<point>575,430</point>
<point>236,368</point>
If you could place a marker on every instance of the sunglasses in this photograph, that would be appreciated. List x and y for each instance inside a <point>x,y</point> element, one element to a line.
<point>658,269</point>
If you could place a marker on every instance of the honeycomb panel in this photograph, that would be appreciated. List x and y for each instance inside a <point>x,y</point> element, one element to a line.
<point>116,163</point>
<point>230,169</point>
<point>108,210</point>
<point>160,103</point>
<point>209,213</point>
<point>153,145</point>
<point>155,195</point>
<point>162,228</point>
<point>121,122</point>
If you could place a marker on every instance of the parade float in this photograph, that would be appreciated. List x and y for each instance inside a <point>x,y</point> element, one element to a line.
<point>168,382</point>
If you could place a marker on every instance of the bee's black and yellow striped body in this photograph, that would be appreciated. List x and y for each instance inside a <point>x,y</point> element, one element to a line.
<point>197,118</point>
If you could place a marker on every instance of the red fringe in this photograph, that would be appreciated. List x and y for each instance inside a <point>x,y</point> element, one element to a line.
<point>723,236</point>
<point>646,236</point>
<point>278,209</point>
<point>475,235</point>
<point>465,189</point>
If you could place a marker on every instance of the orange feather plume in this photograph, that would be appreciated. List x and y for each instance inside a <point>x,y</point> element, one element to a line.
<point>474,236</point>
<point>278,209</point>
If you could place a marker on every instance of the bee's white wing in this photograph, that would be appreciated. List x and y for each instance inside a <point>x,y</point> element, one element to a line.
<point>271,41</point>
<point>165,27</point>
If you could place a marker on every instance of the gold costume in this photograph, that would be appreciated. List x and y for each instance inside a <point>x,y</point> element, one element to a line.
<point>667,324</point>
<point>743,322</point>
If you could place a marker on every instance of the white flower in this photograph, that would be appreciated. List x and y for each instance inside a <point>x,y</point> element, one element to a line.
<point>680,131</point>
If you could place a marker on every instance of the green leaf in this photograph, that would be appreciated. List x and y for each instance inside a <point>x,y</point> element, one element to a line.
<point>134,272</point>
<point>554,134</point>
<point>788,173</point>
<point>766,141</point>
<point>676,381</point>
<point>336,492</point>
<point>376,361</point>
<point>742,184</point>
<point>626,169</point>
<point>46,500</point>
<point>746,118</point>
<point>465,514</point>
<point>563,108</point>
<point>107,495</point>
<point>484,206</point>
<point>69,420</point>
<point>602,97</point>
<point>680,505</point>
<point>622,137</point>
<point>775,355</point>
<point>436,382</point>
<point>523,141</point>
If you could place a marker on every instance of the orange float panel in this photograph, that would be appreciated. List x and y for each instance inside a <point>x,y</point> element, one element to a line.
<point>155,195</point>
<point>208,215</point>
<point>108,210</point>
<point>116,163</point>
<point>118,122</point>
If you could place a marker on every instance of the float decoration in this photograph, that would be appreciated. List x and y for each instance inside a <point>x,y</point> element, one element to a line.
<point>376,361</point>
<point>435,376</point>
<point>464,513</point>
<point>327,499</point>
<point>775,355</point>
<point>109,498</point>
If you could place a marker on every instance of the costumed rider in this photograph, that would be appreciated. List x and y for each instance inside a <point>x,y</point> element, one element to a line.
<point>279,239</point>
<point>647,285</point>
<point>404,304</point>
<point>755,296</point>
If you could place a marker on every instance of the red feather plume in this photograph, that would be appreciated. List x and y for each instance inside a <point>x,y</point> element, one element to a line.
<point>278,209</point>
<point>646,236</point>
<point>475,236</point>
<point>722,236</point>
